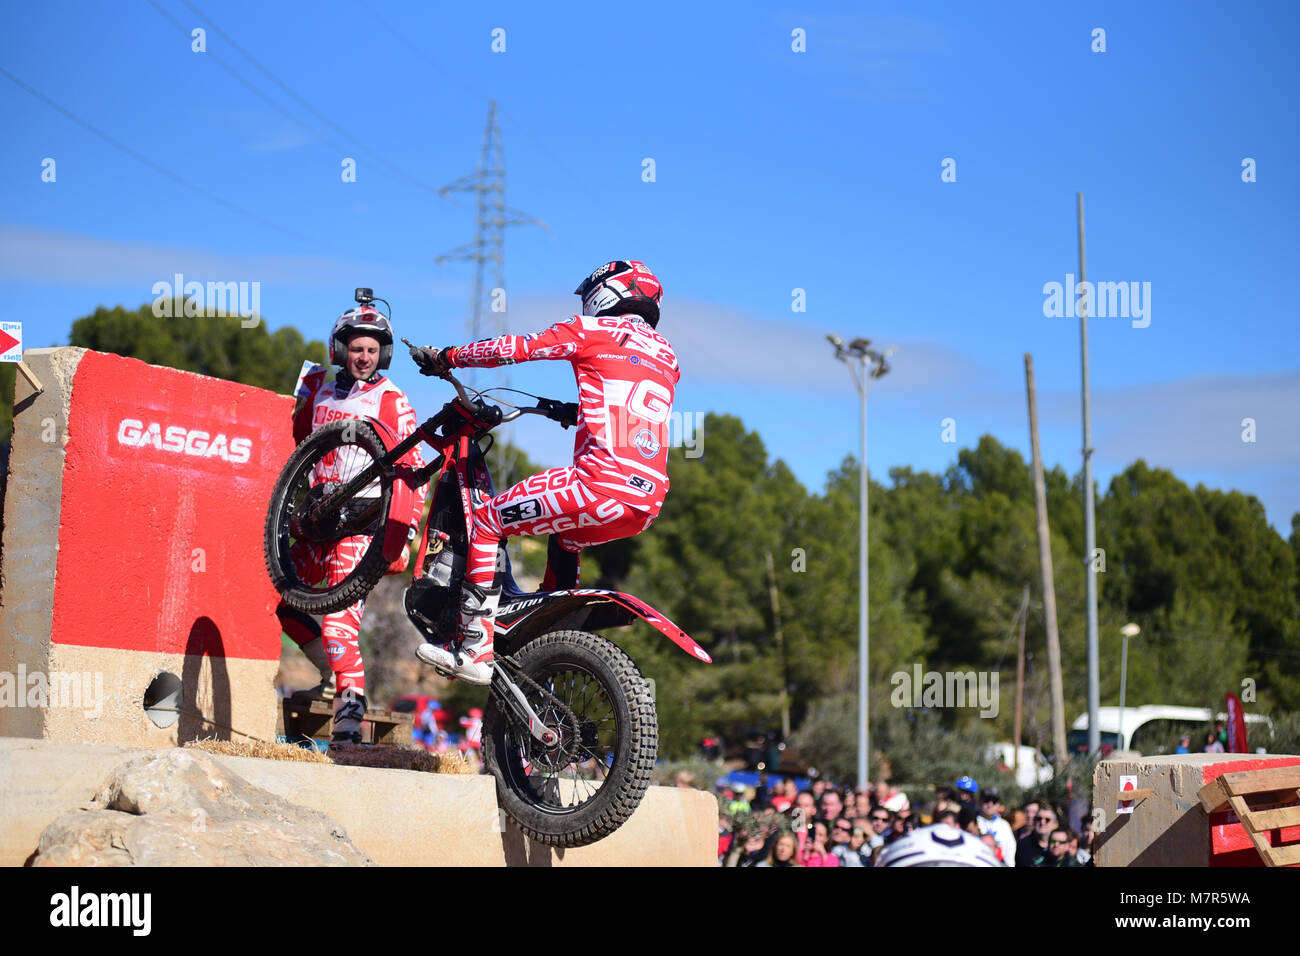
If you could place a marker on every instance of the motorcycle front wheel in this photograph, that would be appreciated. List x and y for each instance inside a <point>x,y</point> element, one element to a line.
<point>306,546</point>
<point>592,779</point>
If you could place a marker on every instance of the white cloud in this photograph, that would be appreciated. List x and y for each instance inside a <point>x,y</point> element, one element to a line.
<point>34,255</point>
<point>732,348</point>
<point>1196,422</point>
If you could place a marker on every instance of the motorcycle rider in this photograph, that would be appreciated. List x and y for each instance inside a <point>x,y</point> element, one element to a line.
<point>361,343</point>
<point>626,374</point>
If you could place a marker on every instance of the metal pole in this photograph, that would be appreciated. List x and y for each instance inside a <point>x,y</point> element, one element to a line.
<point>1089,516</point>
<point>863,633</point>
<point>1123,681</point>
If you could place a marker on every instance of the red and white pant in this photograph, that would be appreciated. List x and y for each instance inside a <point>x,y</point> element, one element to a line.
<point>340,631</point>
<point>555,502</point>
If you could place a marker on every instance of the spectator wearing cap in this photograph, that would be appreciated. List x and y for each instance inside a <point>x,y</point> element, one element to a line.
<point>1031,850</point>
<point>968,792</point>
<point>991,822</point>
<point>895,801</point>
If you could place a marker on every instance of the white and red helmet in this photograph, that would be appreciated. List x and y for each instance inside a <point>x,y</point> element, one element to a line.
<point>622,287</point>
<point>363,320</point>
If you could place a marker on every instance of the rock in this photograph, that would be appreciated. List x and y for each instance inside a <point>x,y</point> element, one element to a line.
<point>181,808</point>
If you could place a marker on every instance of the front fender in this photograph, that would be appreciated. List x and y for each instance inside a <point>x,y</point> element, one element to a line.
<point>587,608</point>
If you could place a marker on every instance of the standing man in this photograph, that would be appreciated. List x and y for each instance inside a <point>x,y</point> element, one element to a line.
<point>990,821</point>
<point>1033,849</point>
<point>361,344</point>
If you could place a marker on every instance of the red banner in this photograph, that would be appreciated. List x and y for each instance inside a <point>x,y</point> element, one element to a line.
<point>1236,726</point>
<point>165,488</point>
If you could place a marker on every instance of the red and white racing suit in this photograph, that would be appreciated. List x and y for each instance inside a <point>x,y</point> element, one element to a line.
<point>627,373</point>
<point>379,399</point>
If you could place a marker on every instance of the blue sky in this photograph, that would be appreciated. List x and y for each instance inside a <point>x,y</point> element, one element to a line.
<point>774,170</point>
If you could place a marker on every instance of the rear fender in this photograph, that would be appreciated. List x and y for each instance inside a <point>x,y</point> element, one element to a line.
<point>583,608</point>
<point>402,506</point>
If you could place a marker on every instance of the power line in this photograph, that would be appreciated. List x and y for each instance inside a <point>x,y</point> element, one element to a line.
<point>149,162</point>
<point>357,144</point>
<point>451,78</point>
<point>247,84</point>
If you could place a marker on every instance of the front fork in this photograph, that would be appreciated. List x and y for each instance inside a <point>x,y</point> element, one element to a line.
<point>512,698</point>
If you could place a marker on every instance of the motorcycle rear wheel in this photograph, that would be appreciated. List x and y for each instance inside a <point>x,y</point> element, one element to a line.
<point>591,781</point>
<point>293,494</point>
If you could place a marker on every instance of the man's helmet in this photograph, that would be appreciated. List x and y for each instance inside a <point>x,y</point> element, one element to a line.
<point>621,287</point>
<point>363,320</point>
<point>939,844</point>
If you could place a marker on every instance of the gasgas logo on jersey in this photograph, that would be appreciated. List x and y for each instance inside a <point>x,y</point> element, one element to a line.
<point>180,440</point>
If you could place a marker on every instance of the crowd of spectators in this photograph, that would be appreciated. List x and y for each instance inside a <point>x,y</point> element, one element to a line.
<point>778,824</point>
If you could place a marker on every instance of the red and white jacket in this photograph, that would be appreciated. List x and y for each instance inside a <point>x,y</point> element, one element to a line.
<point>627,374</point>
<point>380,399</point>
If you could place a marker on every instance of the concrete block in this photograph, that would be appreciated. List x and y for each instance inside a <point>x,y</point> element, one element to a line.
<point>1170,828</point>
<point>133,546</point>
<point>397,817</point>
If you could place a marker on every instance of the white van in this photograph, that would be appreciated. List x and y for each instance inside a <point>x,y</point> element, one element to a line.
<point>1150,728</point>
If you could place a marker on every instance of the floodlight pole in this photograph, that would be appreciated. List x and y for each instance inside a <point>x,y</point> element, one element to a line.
<point>858,352</point>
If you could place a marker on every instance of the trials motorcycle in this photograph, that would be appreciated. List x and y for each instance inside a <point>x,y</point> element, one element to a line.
<point>570,731</point>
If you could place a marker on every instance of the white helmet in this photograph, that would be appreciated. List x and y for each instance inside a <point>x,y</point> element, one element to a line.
<point>624,286</point>
<point>365,320</point>
<point>939,844</point>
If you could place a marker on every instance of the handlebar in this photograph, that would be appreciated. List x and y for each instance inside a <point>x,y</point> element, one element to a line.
<point>566,413</point>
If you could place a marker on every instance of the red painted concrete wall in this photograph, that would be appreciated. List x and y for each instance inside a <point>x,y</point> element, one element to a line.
<point>165,489</point>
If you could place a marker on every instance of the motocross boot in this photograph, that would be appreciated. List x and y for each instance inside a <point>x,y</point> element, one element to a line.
<point>470,657</point>
<point>315,652</point>
<point>349,708</point>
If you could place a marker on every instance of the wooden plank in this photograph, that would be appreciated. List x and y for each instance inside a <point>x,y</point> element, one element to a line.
<point>1128,796</point>
<point>1275,818</point>
<point>1253,781</point>
<point>1283,855</point>
<point>1284,782</point>
<point>1214,795</point>
<point>1257,836</point>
